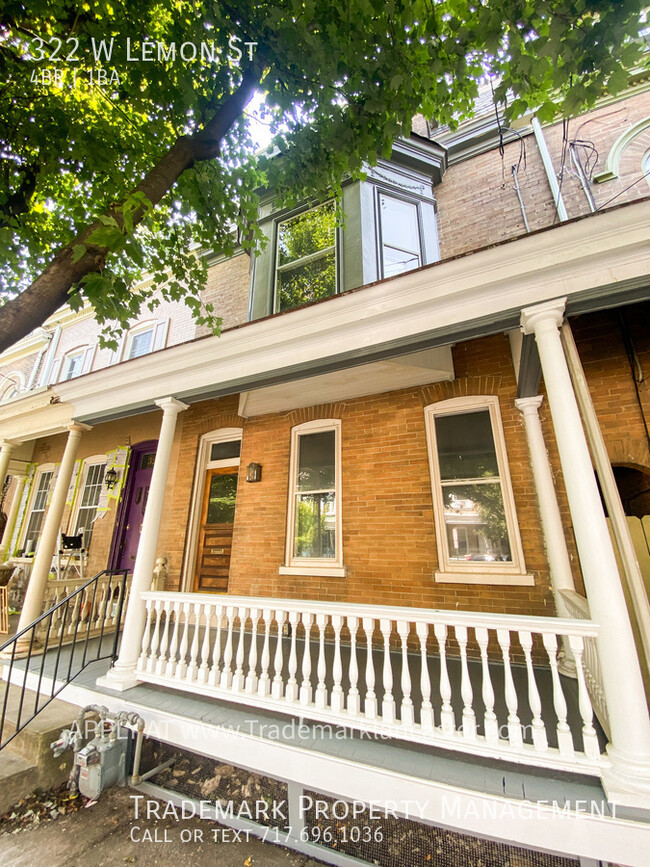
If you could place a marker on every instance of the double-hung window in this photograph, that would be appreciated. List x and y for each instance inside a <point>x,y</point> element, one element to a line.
<point>88,499</point>
<point>139,343</point>
<point>476,523</point>
<point>72,365</point>
<point>401,243</point>
<point>42,484</point>
<point>306,257</point>
<point>314,522</point>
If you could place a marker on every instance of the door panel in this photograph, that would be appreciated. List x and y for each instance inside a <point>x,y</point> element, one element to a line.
<point>215,536</point>
<point>138,496</point>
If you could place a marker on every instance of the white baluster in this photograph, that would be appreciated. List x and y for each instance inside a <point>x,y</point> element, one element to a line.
<point>171,662</point>
<point>264,685</point>
<point>292,684</point>
<point>388,702</point>
<point>251,678</point>
<point>214,678</point>
<point>337,699</point>
<point>354,699</point>
<point>305,686</point>
<point>161,663</point>
<point>466,691</point>
<point>447,718</point>
<point>277,687</point>
<point>540,741</point>
<point>192,668</point>
<point>426,710</point>
<point>153,645</point>
<point>226,674</point>
<point>370,703</point>
<point>589,736</point>
<point>238,679</point>
<point>181,666</point>
<point>564,738</point>
<point>321,668</point>
<point>142,662</point>
<point>202,674</point>
<point>514,724</point>
<point>490,721</point>
<point>407,711</point>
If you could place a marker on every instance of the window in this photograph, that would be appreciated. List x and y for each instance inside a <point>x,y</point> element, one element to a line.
<point>88,499</point>
<point>306,257</point>
<point>314,521</point>
<point>42,484</point>
<point>139,343</point>
<point>72,365</point>
<point>399,223</point>
<point>476,523</point>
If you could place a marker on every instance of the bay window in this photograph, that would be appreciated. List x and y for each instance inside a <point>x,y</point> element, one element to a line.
<point>306,257</point>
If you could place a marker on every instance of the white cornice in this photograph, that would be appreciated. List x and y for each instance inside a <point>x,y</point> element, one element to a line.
<point>603,254</point>
<point>25,347</point>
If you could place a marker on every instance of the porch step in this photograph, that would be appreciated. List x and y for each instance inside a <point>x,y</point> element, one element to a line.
<point>27,763</point>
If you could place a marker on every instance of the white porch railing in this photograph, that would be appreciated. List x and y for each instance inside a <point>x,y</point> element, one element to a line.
<point>97,608</point>
<point>578,608</point>
<point>481,683</point>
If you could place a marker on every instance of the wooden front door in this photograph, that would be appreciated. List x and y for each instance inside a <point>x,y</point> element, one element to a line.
<point>215,535</point>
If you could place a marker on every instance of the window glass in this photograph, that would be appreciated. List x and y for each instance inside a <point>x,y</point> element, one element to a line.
<point>38,510</point>
<point>89,500</point>
<point>223,451</point>
<point>140,343</point>
<point>315,497</point>
<point>466,446</point>
<point>222,498</point>
<point>400,234</point>
<point>306,257</point>
<point>72,366</point>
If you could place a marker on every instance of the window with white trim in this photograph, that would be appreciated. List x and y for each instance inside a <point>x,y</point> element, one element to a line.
<point>72,365</point>
<point>38,504</point>
<point>401,244</point>
<point>314,519</point>
<point>476,523</point>
<point>139,343</point>
<point>305,268</point>
<point>88,498</point>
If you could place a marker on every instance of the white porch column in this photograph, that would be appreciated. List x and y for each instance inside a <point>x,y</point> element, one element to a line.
<point>6,448</point>
<point>628,779</point>
<point>32,606</point>
<point>123,674</point>
<point>11,516</point>
<point>558,556</point>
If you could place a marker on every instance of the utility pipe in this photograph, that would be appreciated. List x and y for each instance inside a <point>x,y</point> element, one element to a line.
<point>550,171</point>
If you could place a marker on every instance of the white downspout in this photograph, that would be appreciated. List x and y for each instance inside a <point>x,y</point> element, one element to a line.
<point>550,171</point>
<point>54,345</point>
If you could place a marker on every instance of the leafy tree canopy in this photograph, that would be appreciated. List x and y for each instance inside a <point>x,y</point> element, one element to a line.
<point>113,167</point>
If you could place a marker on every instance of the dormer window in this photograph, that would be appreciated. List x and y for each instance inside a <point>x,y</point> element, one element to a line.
<point>72,365</point>
<point>400,243</point>
<point>139,343</point>
<point>306,257</point>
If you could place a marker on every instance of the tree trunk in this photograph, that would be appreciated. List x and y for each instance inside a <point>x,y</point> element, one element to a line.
<point>51,289</point>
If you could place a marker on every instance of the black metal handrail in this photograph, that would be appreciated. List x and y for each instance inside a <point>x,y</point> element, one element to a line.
<point>70,621</point>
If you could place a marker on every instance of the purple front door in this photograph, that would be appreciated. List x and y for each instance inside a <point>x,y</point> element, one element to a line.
<point>136,493</point>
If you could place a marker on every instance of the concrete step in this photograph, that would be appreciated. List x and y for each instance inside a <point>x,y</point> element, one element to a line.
<point>27,762</point>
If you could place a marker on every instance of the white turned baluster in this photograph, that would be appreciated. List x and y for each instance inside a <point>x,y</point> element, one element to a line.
<point>292,684</point>
<point>466,691</point>
<point>202,675</point>
<point>264,685</point>
<point>447,719</point>
<point>540,741</point>
<point>490,721</point>
<point>388,702</point>
<point>277,687</point>
<point>321,668</point>
<point>564,738</point>
<point>514,723</point>
<point>426,710</point>
<point>305,686</point>
<point>407,710</point>
<point>181,667</point>
<point>153,646</point>
<point>161,664</point>
<point>79,600</point>
<point>238,679</point>
<point>354,699</point>
<point>370,704</point>
<point>337,699</point>
<point>192,668</point>
<point>171,662</point>
<point>250,685</point>
<point>589,736</point>
<point>226,674</point>
<point>214,677</point>
<point>142,662</point>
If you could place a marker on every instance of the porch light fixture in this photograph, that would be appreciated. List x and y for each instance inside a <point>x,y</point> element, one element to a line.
<point>110,478</point>
<point>254,472</point>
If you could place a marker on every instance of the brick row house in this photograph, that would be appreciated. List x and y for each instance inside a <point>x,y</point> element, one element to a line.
<point>406,491</point>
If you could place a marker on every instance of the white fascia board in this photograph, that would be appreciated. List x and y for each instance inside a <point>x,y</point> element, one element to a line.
<point>598,253</point>
<point>27,346</point>
<point>37,421</point>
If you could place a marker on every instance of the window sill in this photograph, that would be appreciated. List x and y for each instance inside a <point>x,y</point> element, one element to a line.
<point>315,571</point>
<point>484,578</point>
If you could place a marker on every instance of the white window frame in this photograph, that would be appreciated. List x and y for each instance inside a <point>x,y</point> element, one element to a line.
<point>324,567</point>
<point>11,385</point>
<point>93,461</point>
<point>390,194</point>
<point>138,331</point>
<point>203,464</point>
<point>513,573</point>
<point>42,469</point>
<point>67,363</point>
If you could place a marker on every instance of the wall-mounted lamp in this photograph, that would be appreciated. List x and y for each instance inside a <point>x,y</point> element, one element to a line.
<point>110,478</point>
<point>254,473</point>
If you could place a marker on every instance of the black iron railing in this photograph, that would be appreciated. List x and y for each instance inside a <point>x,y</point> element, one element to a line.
<point>49,653</point>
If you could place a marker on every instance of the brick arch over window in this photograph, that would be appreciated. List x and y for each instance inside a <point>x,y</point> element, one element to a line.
<point>629,452</point>
<point>312,413</point>
<point>463,387</point>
